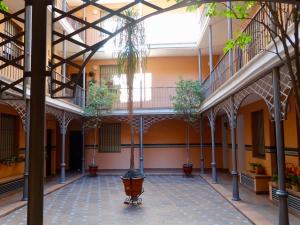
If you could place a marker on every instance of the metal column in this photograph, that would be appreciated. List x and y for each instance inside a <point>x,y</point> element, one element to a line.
<point>234,173</point>
<point>141,145</point>
<point>27,64</point>
<point>201,147</point>
<point>63,146</point>
<point>210,46</point>
<point>200,65</point>
<point>37,113</point>
<point>281,192</point>
<point>213,150</point>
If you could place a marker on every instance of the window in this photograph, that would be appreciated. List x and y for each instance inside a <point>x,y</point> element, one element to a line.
<point>8,139</point>
<point>110,137</point>
<point>107,73</point>
<point>142,83</point>
<point>258,138</point>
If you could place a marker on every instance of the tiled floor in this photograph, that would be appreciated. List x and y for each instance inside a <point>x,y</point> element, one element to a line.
<point>168,200</point>
<point>260,204</point>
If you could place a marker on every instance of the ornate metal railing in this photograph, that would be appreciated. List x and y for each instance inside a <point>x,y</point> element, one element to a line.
<point>74,24</point>
<point>260,40</point>
<point>79,92</point>
<point>146,98</point>
<point>11,51</point>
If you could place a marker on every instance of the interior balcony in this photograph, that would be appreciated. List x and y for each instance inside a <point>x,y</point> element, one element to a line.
<point>249,64</point>
<point>146,101</point>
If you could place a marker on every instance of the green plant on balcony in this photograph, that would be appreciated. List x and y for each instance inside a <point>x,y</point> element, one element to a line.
<point>131,57</point>
<point>186,103</point>
<point>100,100</point>
<point>253,166</point>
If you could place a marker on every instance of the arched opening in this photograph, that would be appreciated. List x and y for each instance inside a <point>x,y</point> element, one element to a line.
<point>255,135</point>
<point>165,145</point>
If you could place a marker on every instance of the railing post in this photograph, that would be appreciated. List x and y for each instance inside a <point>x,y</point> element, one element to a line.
<point>37,114</point>
<point>27,66</point>
<point>281,192</point>
<point>210,44</point>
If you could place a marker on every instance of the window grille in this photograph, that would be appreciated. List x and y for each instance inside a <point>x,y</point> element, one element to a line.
<point>110,137</point>
<point>8,140</point>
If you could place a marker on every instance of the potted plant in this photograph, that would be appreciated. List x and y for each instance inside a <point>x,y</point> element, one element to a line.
<point>131,57</point>
<point>99,101</point>
<point>259,169</point>
<point>186,103</point>
<point>295,183</point>
<point>253,166</point>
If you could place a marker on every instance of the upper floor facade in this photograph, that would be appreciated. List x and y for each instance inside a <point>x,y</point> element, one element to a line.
<point>173,54</point>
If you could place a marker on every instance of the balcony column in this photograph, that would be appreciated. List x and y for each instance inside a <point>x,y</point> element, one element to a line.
<point>213,150</point>
<point>200,65</point>
<point>63,145</point>
<point>37,113</point>
<point>201,147</point>
<point>141,145</point>
<point>27,64</point>
<point>234,173</point>
<point>210,46</point>
<point>281,192</point>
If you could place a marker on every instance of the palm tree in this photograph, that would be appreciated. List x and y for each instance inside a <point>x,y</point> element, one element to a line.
<point>131,57</point>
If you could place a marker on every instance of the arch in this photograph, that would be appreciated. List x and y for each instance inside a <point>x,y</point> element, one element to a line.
<point>20,107</point>
<point>286,90</point>
<point>262,88</point>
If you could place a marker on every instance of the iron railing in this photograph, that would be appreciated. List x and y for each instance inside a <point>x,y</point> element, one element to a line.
<point>11,51</point>
<point>79,91</point>
<point>74,24</point>
<point>146,98</point>
<point>260,40</point>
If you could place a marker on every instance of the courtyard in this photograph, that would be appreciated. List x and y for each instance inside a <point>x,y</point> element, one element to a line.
<point>172,200</point>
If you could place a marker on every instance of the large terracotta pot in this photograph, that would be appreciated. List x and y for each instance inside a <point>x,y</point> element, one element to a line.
<point>133,186</point>
<point>93,170</point>
<point>187,169</point>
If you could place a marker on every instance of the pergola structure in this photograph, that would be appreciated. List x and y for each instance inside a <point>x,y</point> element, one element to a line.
<point>33,64</point>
